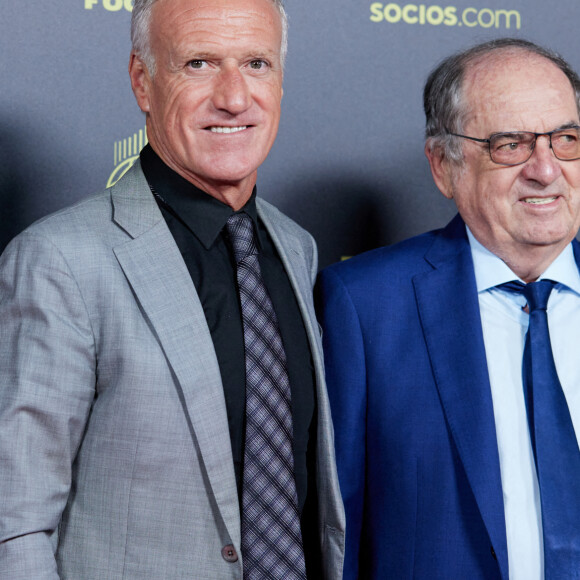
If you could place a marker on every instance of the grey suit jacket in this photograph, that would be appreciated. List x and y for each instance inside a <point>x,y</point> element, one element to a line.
<point>115,456</point>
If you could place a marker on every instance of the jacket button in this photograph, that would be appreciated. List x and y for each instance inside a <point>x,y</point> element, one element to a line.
<point>229,553</point>
<point>493,553</point>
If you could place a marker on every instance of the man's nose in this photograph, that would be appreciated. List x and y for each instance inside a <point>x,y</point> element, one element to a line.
<point>543,166</point>
<point>231,91</point>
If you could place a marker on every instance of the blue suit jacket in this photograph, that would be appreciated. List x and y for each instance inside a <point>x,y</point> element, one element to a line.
<point>410,396</point>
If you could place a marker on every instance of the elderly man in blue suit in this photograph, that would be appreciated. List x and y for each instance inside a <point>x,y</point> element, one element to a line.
<point>163,412</point>
<point>457,419</point>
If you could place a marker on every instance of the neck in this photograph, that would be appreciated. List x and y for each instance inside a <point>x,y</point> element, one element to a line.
<point>532,263</point>
<point>234,193</point>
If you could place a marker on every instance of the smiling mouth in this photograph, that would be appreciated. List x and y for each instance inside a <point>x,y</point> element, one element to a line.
<point>228,129</point>
<point>539,200</point>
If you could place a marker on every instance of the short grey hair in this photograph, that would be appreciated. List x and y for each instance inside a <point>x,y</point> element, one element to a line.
<point>443,98</point>
<point>141,24</point>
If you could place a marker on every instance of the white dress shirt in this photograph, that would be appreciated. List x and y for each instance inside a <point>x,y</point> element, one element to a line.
<point>504,329</point>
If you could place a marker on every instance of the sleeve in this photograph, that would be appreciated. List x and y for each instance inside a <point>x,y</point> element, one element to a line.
<point>344,358</point>
<point>47,385</point>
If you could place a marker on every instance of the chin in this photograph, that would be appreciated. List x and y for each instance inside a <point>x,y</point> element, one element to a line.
<point>233,174</point>
<point>550,238</point>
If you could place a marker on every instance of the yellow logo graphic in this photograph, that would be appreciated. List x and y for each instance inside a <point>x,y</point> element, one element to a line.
<point>110,5</point>
<point>126,153</point>
<point>448,15</point>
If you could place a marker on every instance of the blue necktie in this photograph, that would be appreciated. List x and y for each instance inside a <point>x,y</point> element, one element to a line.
<point>554,442</point>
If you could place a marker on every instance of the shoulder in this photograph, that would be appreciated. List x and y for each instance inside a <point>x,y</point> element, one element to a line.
<point>90,222</point>
<point>281,223</point>
<point>390,263</point>
<point>74,223</point>
<point>59,250</point>
<point>91,209</point>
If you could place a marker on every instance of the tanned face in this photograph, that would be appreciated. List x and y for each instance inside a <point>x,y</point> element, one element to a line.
<point>213,105</point>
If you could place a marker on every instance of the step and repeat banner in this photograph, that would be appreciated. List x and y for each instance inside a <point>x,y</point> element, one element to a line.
<point>348,163</point>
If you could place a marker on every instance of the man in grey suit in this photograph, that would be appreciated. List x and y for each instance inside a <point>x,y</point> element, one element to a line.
<point>123,342</point>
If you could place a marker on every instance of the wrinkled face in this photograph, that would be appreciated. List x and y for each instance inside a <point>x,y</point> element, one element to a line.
<point>533,207</point>
<point>213,105</point>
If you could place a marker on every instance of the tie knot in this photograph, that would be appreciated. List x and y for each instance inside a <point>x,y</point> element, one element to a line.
<point>240,229</point>
<point>535,293</point>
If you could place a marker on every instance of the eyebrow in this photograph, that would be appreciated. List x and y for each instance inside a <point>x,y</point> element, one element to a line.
<point>563,127</point>
<point>205,54</point>
<point>568,125</point>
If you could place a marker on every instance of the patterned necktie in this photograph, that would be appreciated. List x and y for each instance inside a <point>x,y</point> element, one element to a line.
<point>271,537</point>
<point>553,440</point>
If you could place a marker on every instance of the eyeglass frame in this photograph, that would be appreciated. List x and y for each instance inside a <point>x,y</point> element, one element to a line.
<point>536,135</point>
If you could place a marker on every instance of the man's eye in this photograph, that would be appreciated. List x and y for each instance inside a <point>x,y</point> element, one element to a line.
<point>196,63</point>
<point>508,146</point>
<point>510,142</point>
<point>258,64</point>
<point>565,138</point>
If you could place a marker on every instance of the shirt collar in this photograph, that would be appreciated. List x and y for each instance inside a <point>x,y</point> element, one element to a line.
<point>491,271</point>
<point>203,214</point>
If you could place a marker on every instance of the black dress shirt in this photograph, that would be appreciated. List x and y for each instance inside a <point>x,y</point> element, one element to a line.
<point>196,221</point>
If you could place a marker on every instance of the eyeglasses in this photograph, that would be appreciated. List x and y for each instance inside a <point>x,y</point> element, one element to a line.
<point>517,147</point>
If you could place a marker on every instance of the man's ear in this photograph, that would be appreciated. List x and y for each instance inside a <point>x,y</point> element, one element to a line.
<point>140,81</point>
<point>441,169</point>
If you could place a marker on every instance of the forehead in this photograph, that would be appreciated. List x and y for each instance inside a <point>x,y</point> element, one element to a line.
<point>186,24</point>
<point>518,91</point>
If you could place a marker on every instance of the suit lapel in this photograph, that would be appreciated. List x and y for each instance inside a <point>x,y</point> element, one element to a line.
<point>449,311</point>
<point>291,249</point>
<point>162,285</point>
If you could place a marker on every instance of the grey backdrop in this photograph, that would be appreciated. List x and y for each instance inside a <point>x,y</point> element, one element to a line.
<point>348,163</point>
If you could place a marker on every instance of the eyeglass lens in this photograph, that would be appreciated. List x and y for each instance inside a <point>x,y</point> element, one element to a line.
<point>517,147</point>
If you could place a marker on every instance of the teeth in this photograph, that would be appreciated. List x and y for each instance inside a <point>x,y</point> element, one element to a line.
<point>539,200</point>
<point>227,129</point>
